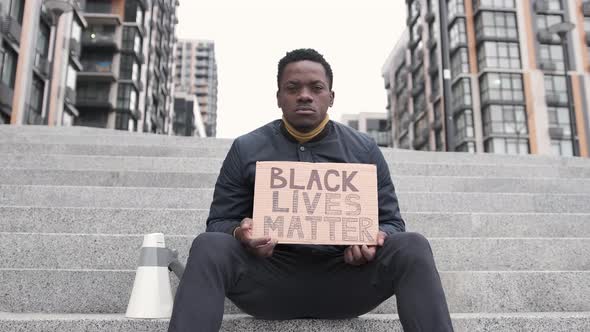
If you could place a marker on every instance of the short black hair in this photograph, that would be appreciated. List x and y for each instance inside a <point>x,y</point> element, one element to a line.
<point>302,54</point>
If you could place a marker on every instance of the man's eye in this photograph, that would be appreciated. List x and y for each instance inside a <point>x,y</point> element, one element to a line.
<point>318,87</point>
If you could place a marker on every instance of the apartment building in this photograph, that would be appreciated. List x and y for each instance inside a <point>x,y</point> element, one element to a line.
<point>187,116</point>
<point>100,63</point>
<point>374,124</point>
<point>38,70</point>
<point>498,76</point>
<point>196,73</point>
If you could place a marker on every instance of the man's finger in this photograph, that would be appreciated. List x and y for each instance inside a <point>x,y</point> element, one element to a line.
<point>356,253</point>
<point>381,238</point>
<point>368,252</point>
<point>267,249</point>
<point>348,256</point>
<point>255,243</point>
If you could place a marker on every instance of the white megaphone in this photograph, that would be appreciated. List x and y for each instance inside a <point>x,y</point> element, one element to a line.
<point>151,296</point>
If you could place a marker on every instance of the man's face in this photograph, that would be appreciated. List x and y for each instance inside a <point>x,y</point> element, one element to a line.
<point>304,94</point>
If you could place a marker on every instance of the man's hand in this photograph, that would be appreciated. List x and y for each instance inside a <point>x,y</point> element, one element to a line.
<point>359,255</point>
<point>262,247</point>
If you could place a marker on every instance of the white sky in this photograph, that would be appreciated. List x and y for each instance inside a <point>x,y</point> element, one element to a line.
<point>252,35</point>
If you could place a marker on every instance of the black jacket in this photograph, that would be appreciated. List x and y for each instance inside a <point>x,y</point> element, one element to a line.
<point>233,199</point>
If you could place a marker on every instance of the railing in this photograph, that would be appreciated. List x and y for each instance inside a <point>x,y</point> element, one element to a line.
<point>97,66</point>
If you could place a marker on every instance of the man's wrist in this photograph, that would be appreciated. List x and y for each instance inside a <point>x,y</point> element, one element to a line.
<point>235,231</point>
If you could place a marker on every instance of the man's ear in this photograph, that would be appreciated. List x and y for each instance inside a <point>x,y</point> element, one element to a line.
<point>332,95</point>
<point>278,102</point>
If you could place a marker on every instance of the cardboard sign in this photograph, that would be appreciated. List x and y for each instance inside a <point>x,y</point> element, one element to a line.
<point>316,203</point>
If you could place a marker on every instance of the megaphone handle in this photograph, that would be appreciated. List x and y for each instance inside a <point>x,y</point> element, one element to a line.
<point>177,267</point>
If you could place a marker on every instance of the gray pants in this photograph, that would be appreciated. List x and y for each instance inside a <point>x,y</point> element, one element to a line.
<point>295,284</point>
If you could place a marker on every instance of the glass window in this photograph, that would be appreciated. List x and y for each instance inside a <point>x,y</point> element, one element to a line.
<point>439,140</point>
<point>559,117</point>
<point>433,30</point>
<point>556,89</point>
<point>466,147</point>
<point>76,30</point>
<point>419,127</point>
<point>419,103</point>
<point>43,40</point>
<point>501,87</point>
<point>505,119</point>
<point>460,62</point>
<point>554,4</point>
<point>496,4</point>
<point>129,67</point>
<point>36,100</point>
<point>455,8</point>
<point>464,125</point>
<point>98,6</point>
<point>434,85</point>
<point>503,55</point>
<point>552,54</point>
<point>562,148</point>
<point>433,58</point>
<point>457,34</point>
<point>496,25</point>
<point>461,94</point>
<point>127,97</point>
<point>544,21</point>
<point>71,77</point>
<point>503,145</point>
<point>9,67</point>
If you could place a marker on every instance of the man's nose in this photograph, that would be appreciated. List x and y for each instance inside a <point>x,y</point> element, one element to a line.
<point>304,95</point>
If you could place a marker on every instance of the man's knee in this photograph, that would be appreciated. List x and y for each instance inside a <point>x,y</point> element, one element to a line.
<point>409,248</point>
<point>212,246</point>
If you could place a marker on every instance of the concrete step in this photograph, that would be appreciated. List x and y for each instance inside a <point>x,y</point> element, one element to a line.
<point>212,165</point>
<point>195,198</point>
<point>163,179</point>
<point>108,291</point>
<point>121,252</point>
<point>219,150</point>
<point>497,322</point>
<point>30,219</point>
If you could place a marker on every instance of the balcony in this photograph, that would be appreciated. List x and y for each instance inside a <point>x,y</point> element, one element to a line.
<point>95,100</point>
<point>101,12</point>
<point>11,29</point>
<point>99,40</point>
<point>98,71</point>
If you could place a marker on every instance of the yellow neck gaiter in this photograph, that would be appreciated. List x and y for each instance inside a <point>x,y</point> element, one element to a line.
<point>305,137</point>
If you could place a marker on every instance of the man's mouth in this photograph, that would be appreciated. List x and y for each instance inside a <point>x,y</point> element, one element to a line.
<point>304,110</point>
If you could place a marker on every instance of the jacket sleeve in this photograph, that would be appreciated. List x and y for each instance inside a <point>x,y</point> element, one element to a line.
<point>232,199</point>
<point>390,219</point>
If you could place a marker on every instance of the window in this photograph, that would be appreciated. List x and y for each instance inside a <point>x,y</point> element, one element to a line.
<point>129,68</point>
<point>554,4</point>
<point>414,9</point>
<point>354,124</point>
<point>13,8</point>
<point>504,119</point>
<point>9,67</point>
<point>464,125</point>
<point>455,8</point>
<point>93,92</point>
<point>98,6</point>
<point>434,85</point>
<point>559,117</point>
<point>461,94</point>
<point>42,46</point>
<point>122,121</point>
<point>418,78</point>
<point>495,4</point>
<point>502,87</point>
<point>433,30</point>
<point>552,54</point>
<point>71,77</point>
<point>466,147</point>
<point>419,104</point>
<point>420,127</point>
<point>503,145</point>
<point>127,97</point>
<point>415,34</point>
<point>498,55</point>
<point>418,54</point>
<point>556,90</point>
<point>376,125</point>
<point>460,62</point>
<point>35,109</point>
<point>544,21</point>
<point>457,34</point>
<point>76,30</point>
<point>433,60</point>
<point>496,25</point>
<point>439,140</point>
<point>562,148</point>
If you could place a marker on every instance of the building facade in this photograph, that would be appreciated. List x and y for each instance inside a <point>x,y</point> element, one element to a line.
<point>104,63</point>
<point>187,116</point>
<point>374,124</point>
<point>38,70</point>
<point>498,76</point>
<point>196,73</point>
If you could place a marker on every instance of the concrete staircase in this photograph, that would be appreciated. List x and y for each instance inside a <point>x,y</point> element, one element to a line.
<point>511,235</point>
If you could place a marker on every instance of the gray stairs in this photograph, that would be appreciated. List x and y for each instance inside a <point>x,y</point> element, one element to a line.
<point>511,235</point>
